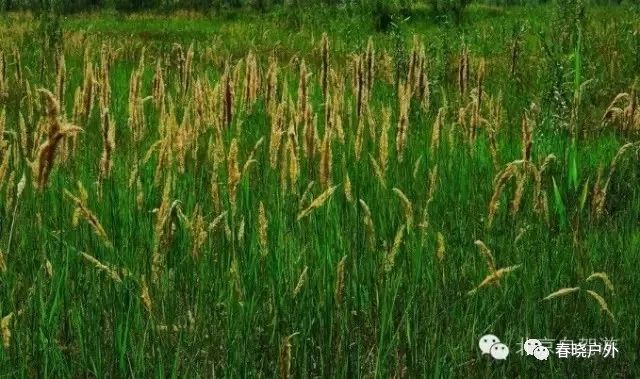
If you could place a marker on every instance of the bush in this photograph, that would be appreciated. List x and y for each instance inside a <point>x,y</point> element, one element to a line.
<point>383,13</point>
<point>261,5</point>
<point>453,9</point>
<point>134,6</point>
<point>49,31</point>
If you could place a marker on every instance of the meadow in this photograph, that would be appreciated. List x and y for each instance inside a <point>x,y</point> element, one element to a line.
<point>314,195</point>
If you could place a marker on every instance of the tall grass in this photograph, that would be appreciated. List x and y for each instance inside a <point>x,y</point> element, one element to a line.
<point>268,203</point>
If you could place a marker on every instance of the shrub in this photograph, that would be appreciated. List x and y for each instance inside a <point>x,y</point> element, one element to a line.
<point>453,9</point>
<point>383,13</point>
<point>134,6</point>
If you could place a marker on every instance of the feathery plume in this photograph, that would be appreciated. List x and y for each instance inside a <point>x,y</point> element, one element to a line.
<point>302,279</point>
<point>317,203</point>
<point>285,357</point>
<point>108,145</point>
<point>82,211</point>
<point>561,293</point>
<point>263,225</point>
<point>368,223</point>
<point>494,277</point>
<point>47,151</point>
<point>604,278</point>
<point>326,160</point>
<point>6,330</point>
<point>233,173</point>
<point>602,303</point>
<point>390,257</point>
<point>487,255</point>
<point>408,207</point>
<point>435,131</point>
<point>111,272</point>
<point>146,296</point>
<point>404,96</point>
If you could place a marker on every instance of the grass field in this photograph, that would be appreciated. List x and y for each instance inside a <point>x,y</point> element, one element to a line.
<point>249,196</point>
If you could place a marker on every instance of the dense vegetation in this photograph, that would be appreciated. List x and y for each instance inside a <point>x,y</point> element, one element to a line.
<point>318,194</point>
<point>441,7</point>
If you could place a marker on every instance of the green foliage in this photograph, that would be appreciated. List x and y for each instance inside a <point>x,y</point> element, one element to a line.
<point>135,6</point>
<point>60,6</point>
<point>453,9</point>
<point>49,31</point>
<point>383,13</point>
<point>559,206</point>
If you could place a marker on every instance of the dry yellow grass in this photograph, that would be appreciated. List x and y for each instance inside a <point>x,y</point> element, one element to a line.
<point>407,206</point>
<point>404,98</point>
<point>111,272</point>
<point>326,157</point>
<point>81,210</point>
<point>624,110</point>
<point>486,253</point>
<point>6,330</point>
<point>47,152</point>
<point>440,249</point>
<point>198,230</point>
<point>494,278</point>
<point>145,296</point>
<point>263,228</point>
<point>234,174</point>
<point>108,145</point>
<point>495,274</point>
<point>599,190</point>
<point>302,279</point>
<point>390,257</point>
<point>604,278</point>
<point>438,125</point>
<point>340,280</point>
<point>317,203</point>
<point>602,303</point>
<point>284,360</point>
<point>368,223</point>
<point>3,263</point>
<point>383,142</point>
<point>561,293</point>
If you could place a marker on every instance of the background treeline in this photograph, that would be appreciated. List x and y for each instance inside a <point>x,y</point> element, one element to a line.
<point>70,6</point>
